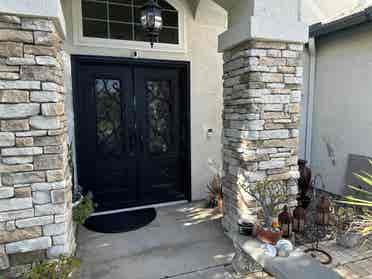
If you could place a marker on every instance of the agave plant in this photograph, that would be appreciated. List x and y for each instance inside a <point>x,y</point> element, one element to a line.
<point>362,199</point>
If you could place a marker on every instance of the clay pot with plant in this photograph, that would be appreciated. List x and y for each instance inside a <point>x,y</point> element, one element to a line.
<point>271,196</point>
<point>215,195</point>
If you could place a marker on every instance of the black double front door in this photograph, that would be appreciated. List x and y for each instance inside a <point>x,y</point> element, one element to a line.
<point>132,131</point>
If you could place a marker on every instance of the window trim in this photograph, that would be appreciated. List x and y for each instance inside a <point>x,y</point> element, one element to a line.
<point>80,40</point>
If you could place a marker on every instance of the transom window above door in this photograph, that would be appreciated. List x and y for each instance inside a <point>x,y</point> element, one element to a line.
<point>120,20</point>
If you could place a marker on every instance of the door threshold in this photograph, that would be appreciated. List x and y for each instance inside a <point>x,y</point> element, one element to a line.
<point>157,205</point>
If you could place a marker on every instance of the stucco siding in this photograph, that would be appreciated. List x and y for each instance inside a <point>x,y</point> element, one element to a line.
<point>342,118</point>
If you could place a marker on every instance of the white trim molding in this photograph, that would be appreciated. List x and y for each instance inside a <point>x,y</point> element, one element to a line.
<point>80,40</point>
<point>37,8</point>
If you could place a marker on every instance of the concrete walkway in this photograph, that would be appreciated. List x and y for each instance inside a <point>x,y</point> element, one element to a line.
<point>183,242</point>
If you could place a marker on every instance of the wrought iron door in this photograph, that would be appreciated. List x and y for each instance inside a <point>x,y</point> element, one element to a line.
<point>132,144</point>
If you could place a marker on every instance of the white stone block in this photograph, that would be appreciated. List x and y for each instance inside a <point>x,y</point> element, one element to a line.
<point>22,151</point>
<point>18,214</point>
<point>276,99</point>
<point>36,221</point>
<point>54,229</point>
<point>47,186</point>
<point>15,204</point>
<point>49,209</point>
<point>29,245</point>
<point>274,134</point>
<point>41,122</point>
<point>273,164</point>
<point>7,139</point>
<point>56,251</point>
<point>41,197</point>
<point>6,192</point>
<point>10,111</point>
<point>46,60</point>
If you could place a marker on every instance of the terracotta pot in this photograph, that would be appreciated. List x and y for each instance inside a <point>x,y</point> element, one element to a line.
<point>268,236</point>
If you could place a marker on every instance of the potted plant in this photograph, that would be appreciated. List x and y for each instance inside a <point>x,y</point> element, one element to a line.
<point>271,196</point>
<point>215,195</point>
<point>360,226</point>
<point>82,210</point>
<point>347,234</point>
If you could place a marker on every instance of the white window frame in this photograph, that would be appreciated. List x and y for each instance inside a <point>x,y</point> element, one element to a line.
<point>80,40</point>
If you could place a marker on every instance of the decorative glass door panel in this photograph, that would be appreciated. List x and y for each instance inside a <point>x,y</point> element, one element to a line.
<point>159,116</point>
<point>109,118</point>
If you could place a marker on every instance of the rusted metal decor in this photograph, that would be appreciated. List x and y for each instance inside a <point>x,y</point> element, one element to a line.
<point>311,229</point>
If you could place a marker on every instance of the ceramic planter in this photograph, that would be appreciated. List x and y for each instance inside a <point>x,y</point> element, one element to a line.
<point>268,236</point>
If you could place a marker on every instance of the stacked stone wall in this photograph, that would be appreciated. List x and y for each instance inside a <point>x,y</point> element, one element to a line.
<point>262,92</point>
<point>35,189</point>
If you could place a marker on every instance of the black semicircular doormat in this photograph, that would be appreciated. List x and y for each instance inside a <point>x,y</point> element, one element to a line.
<point>121,222</point>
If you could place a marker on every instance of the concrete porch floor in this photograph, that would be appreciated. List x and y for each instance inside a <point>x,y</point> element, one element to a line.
<point>184,242</point>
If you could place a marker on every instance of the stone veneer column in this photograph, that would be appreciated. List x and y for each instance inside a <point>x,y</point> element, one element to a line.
<point>35,191</point>
<point>262,90</point>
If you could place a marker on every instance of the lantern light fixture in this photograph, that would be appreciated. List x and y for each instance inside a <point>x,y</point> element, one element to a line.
<point>152,20</point>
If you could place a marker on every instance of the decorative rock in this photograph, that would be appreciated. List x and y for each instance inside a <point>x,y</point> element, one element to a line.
<point>10,226</point>
<point>52,109</point>
<point>40,122</point>
<point>24,192</point>
<point>58,196</point>
<point>54,175</point>
<point>13,96</point>
<point>24,142</point>
<point>45,96</point>
<point>20,61</point>
<point>10,19</point>
<point>46,38</point>
<point>18,110</point>
<point>54,229</point>
<point>28,245</point>
<point>274,134</point>
<point>32,222</point>
<point>4,260</point>
<point>19,214</point>
<point>6,139</point>
<point>273,164</point>
<point>44,141</point>
<point>15,125</point>
<point>37,24</point>
<point>20,84</point>
<point>15,204</point>
<point>6,192</point>
<point>50,86</point>
<point>46,60</point>
<point>48,186</point>
<point>40,197</point>
<point>40,50</point>
<point>15,168</point>
<point>49,209</point>
<point>32,134</point>
<point>16,36</point>
<point>6,68</point>
<point>59,239</point>
<point>11,49</point>
<point>9,76</point>
<point>49,162</point>
<point>23,178</point>
<point>25,151</point>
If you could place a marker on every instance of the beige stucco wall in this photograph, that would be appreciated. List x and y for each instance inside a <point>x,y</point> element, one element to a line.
<point>206,81</point>
<point>342,118</point>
